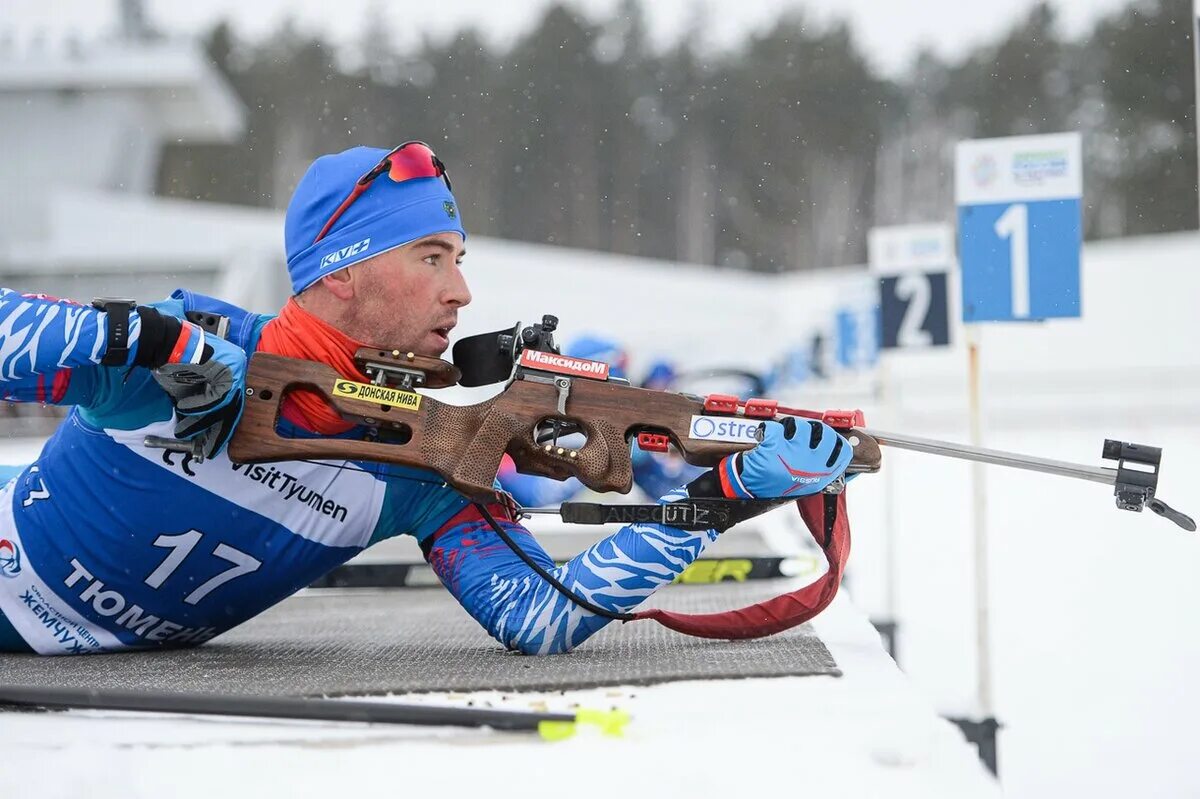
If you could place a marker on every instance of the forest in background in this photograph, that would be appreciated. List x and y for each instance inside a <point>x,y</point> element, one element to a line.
<point>774,156</point>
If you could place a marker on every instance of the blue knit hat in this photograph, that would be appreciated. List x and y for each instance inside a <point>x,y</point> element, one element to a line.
<point>387,215</point>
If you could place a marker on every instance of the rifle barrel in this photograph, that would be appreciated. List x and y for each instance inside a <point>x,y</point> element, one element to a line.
<point>1096,474</point>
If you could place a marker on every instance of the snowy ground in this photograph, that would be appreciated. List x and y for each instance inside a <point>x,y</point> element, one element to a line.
<point>867,733</point>
<point>1093,610</point>
<point>1092,662</point>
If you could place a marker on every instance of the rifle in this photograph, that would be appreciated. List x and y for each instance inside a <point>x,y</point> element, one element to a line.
<point>548,397</point>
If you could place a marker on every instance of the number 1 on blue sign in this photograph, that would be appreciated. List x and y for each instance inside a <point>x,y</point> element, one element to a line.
<point>1020,260</point>
<point>1013,225</point>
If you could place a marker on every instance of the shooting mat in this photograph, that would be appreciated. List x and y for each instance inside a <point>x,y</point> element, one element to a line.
<point>371,641</point>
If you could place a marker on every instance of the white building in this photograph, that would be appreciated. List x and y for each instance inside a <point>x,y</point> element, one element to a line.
<point>83,129</point>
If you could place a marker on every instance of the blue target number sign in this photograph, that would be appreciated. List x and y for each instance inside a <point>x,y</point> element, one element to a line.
<point>913,263</point>
<point>857,342</point>
<point>913,311</point>
<point>1019,227</point>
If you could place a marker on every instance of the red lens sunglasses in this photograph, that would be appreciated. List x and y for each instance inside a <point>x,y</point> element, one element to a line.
<point>413,159</point>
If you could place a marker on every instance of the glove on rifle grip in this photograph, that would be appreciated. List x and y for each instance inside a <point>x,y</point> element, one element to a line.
<point>757,473</point>
<point>709,484</point>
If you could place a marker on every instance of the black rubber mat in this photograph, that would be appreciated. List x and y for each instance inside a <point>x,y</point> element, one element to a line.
<point>418,639</point>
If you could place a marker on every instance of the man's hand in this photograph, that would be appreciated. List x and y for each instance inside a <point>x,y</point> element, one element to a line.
<point>795,459</point>
<point>206,377</point>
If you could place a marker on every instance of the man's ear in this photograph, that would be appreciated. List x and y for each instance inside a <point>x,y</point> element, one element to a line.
<point>341,283</point>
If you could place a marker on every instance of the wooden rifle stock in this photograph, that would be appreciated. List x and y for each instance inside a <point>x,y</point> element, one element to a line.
<point>465,444</point>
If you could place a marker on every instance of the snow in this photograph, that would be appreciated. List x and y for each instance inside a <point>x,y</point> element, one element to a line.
<point>1093,610</point>
<point>867,733</point>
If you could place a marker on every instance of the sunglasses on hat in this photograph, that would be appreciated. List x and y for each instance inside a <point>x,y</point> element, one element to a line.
<point>413,159</point>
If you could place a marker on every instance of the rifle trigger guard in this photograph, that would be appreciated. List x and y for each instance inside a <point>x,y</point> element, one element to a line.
<point>563,384</point>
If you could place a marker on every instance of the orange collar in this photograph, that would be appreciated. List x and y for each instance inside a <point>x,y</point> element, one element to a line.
<point>296,333</point>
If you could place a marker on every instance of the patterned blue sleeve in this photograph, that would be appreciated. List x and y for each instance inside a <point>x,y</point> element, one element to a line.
<point>50,348</point>
<point>526,613</point>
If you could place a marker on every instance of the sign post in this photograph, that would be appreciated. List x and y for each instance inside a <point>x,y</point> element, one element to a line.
<point>1019,244</point>
<point>912,263</point>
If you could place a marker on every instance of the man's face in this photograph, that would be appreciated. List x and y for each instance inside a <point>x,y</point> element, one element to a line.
<point>408,298</point>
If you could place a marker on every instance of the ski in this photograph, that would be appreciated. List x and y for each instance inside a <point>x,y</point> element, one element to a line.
<point>549,725</point>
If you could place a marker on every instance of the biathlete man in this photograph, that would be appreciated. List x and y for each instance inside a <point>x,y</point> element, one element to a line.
<point>107,545</point>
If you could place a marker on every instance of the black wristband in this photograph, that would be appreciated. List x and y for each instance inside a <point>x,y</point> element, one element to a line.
<point>116,345</point>
<point>157,337</point>
<point>709,483</point>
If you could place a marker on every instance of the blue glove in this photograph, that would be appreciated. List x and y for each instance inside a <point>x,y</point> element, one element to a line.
<point>205,377</point>
<point>793,460</point>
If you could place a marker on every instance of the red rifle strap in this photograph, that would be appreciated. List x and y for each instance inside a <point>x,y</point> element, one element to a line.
<point>825,516</point>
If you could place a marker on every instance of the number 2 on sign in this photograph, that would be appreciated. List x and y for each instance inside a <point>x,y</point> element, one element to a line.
<point>914,290</point>
<point>1013,225</point>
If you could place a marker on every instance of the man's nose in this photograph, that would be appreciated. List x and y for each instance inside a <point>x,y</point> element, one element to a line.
<point>457,293</point>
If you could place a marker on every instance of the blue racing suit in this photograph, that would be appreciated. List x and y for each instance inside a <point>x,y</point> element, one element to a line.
<point>108,545</point>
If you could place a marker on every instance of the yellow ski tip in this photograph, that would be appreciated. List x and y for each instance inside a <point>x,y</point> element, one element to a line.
<point>556,730</point>
<point>610,722</point>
